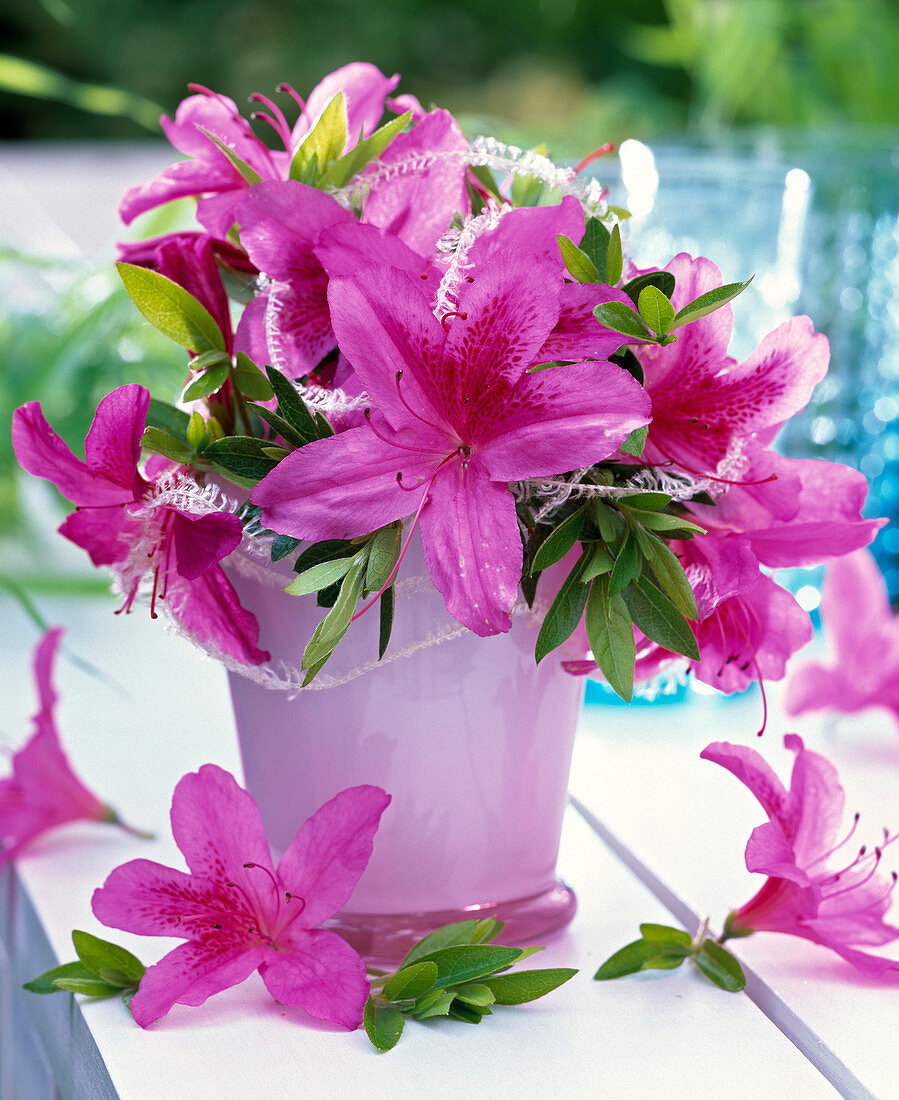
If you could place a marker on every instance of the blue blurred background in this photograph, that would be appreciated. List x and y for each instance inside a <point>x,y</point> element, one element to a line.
<point>764,134</point>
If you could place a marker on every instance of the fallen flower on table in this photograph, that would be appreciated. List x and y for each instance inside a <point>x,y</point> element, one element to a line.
<point>238,912</point>
<point>864,639</point>
<point>455,971</point>
<point>43,791</point>
<point>803,895</point>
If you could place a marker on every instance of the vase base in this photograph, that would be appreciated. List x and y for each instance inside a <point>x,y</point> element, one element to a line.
<point>387,937</point>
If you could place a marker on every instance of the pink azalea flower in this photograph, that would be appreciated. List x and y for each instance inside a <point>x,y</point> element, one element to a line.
<point>459,417</point>
<point>210,172</point>
<point>704,402</point>
<point>804,895</point>
<point>864,640</point>
<point>43,790</point>
<point>120,523</point>
<point>238,912</point>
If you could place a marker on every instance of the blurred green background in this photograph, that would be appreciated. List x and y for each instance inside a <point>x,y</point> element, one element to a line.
<point>816,81</point>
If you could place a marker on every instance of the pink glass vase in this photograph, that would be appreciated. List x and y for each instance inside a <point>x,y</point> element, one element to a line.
<point>469,736</point>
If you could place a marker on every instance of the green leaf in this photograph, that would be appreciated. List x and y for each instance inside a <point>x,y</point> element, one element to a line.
<point>334,625</point>
<point>410,982</point>
<point>469,1014</point>
<point>249,174</point>
<point>661,280</point>
<point>628,563</point>
<point>614,257</point>
<point>665,934</point>
<point>326,550</point>
<point>720,967</point>
<point>655,309</point>
<point>46,982</point>
<point>526,190</point>
<point>557,544</point>
<point>164,444</point>
<point>648,502</point>
<point>452,935</point>
<point>250,380</point>
<point>240,458</point>
<point>208,382</point>
<point>564,612</point>
<point>293,408</point>
<point>383,1024</point>
<point>636,956</point>
<point>610,633</point>
<point>282,545</point>
<point>465,962</point>
<point>196,430</point>
<point>636,441</point>
<point>664,521</point>
<point>167,418</point>
<point>319,577</point>
<point>476,994</point>
<point>657,617</point>
<point>280,425</point>
<point>595,245</point>
<point>669,572</point>
<point>621,318</point>
<point>342,171</point>
<point>323,144</point>
<point>526,985</point>
<point>169,308</point>
<point>435,1003</point>
<point>90,987</point>
<point>607,520</point>
<point>709,302</point>
<point>97,954</point>
<point>599,562</point>
<point>383,550</point>
<point>578,263</point>
<point>386,607</point>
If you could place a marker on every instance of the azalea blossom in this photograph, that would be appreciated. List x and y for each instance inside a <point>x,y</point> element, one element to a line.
<point>123,522</point>
<point>43,791</point>
<point>813,890</point>
<point>238,912</point>
<point>863,632</point>
<point>207,121</point>
<point>456,417</point>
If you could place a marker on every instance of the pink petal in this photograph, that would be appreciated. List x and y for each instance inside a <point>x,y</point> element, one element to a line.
<point>201,541</point>
<point>191,263</point>
<point>755,772</point>
<point>189,975</point>
<point>472,547</point>
<point>150,899</point>
<point>769,852</point>
<point>347,246</point>
<point>42,452</point>
<point>217,826</point>
<point>297,325</point>
<point>531,233</point>
<point>418,206</point>
<point>345,485</point>
<point>818,800</point>
<point>44,659</point>
<point>384,324</point>
<point>562,418</point>
<point>330,852</point>
<point>509,315</point>
<point>855,604</point>
<point>178,181</point>
<point>321,974</point>
<point>112,447</point>
<point>107,534</point>
<point>250,337</point>
<point>578,334</point>
<point>209,609</point>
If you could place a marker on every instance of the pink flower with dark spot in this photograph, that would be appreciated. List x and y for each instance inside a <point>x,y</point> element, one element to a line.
<point>237,912</point>
<point>812,890</point>
<point>43,791</point>
<point>123,520</point>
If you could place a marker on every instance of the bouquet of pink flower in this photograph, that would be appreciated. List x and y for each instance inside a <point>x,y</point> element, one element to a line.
<point>441,335</point>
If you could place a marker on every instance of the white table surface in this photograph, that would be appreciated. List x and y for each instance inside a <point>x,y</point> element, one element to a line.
<point>676,826</point>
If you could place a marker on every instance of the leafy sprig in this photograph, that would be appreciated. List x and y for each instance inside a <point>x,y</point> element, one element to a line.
<point>102,970</point>
<point>661,947</point>
<point>457,972</point>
